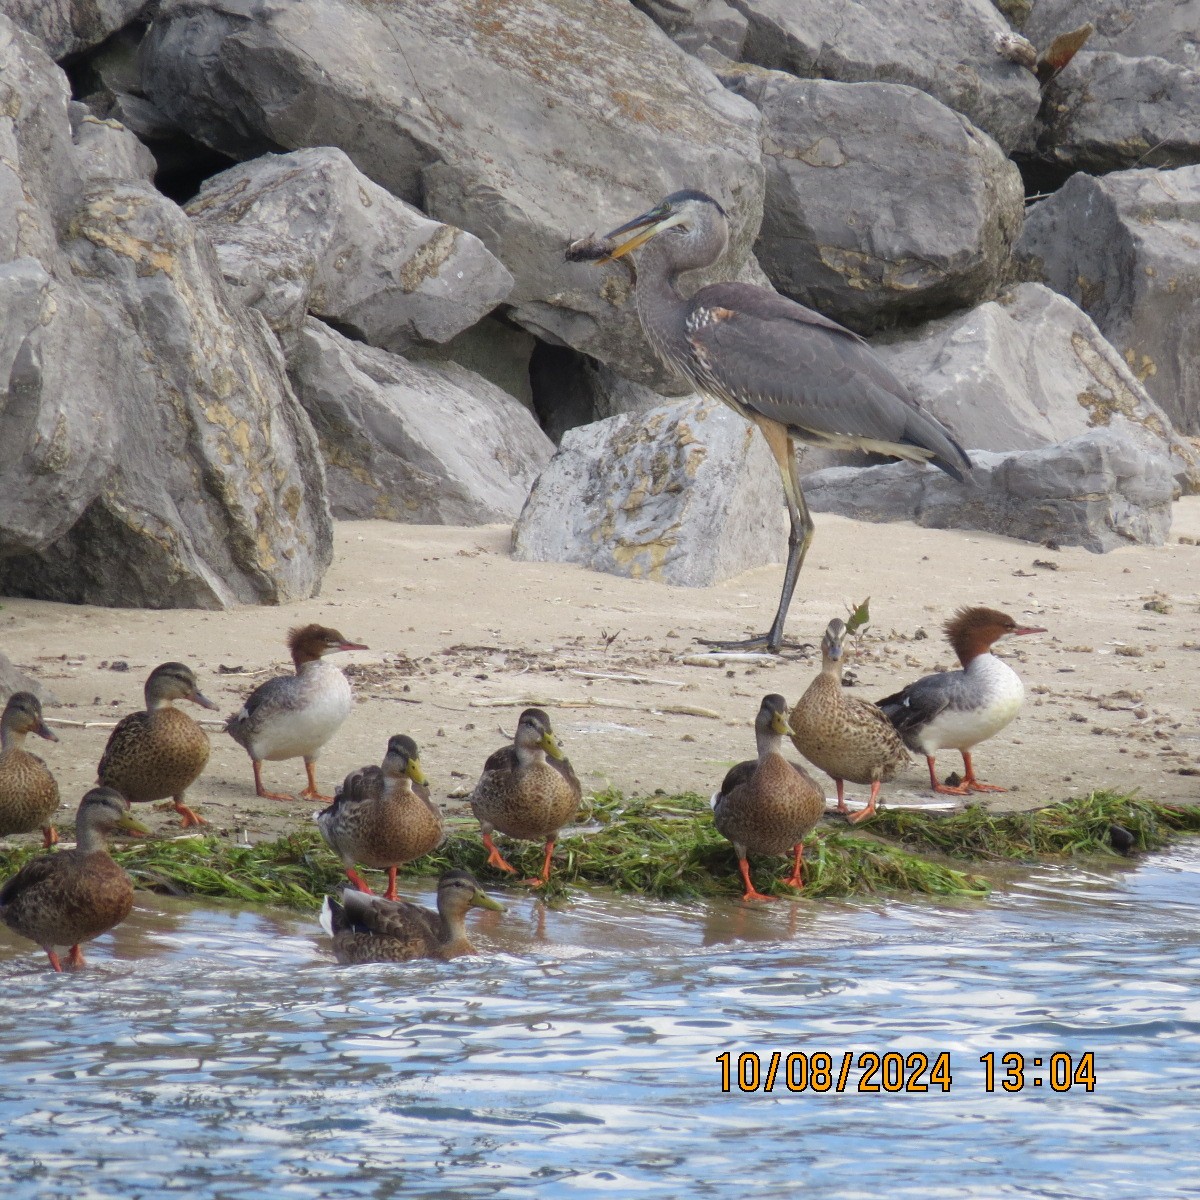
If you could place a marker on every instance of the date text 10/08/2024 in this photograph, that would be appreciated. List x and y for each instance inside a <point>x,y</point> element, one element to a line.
<point>895,1072</point>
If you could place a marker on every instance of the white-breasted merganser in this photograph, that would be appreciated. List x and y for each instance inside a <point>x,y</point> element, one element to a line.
<point>956,710</point>
<point>293,716</point>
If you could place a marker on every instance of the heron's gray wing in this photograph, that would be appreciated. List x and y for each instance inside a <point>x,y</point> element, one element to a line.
<point>794,366</point>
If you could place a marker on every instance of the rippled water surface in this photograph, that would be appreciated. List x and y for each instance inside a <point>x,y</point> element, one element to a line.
<point>220,1052</point>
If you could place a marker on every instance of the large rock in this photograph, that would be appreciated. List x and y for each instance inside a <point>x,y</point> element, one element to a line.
<point>1165,28</point>
<point>68,26</point>
<point>1099,490</point>
<point>13,679</point>
<point>1107,112</point>
<point>687,493</point>
<point>527,127</point>
<point>151,450</point>
<point>882,204</point>
<point>944,47</point>
<point>706,28</point>
<point>1126,249</point>
<point>425,443</point>
<point>1031,369</point>
<point>309,232</point>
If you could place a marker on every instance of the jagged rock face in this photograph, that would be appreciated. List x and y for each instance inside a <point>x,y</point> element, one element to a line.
<point>687,493</point>
<point>943,47</point>
<point>525,123</point>
<point>849,228</point>
<point>1030,369</point>
<point>12,679</point>
<point>1126,249</point>
<point>427,443</point>
<point>68,26</point>
<point>1167,29</point>
<point>1107,112</point>
<point>151,450</point>
<point>309,232</point>
<point>1099,491</point>
<point>701,27</point>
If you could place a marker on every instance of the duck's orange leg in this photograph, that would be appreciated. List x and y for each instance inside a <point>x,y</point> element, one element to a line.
<point>189,818</point>
<point>495,858</point>
<point>75,958</point>
<point>544,878</point>
<point>53,957</point>
<point>751,892</point>
<point>840,784</point>
<point>49,837</point>
<point>944,788</point>
<point>795,879</point>
<point>390,894</point>
<point>970,783</point>
<point>360,883</point>
<point>869,811</point>
<point>312,792</point>
<point>259,790</point>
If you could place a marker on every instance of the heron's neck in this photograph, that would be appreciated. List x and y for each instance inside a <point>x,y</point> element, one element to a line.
<point>661,308</point>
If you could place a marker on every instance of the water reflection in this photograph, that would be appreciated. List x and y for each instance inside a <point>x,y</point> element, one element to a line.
<point>219,1051</point>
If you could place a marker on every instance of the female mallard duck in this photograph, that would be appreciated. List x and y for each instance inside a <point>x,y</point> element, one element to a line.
<point>72,896</point>
<point>525,796</point>
<point>383,816</point>
<point>845,737</point>
<point>159,753</point>
<point>293,716</point>
<point>28,792</point>
<point>768,805</point>
<point>369,928</point>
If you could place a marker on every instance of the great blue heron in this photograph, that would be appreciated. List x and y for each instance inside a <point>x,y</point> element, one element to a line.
<point>797,375</point>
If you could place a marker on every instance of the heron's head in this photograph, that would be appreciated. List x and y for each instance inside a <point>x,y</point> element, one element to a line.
<point>695,226</point>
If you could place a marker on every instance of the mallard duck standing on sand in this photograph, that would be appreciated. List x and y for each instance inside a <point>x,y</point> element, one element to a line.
<point>293,716</point>
<point>159,753</point>
<point>383,816</point>
<point>768,805</point>
<point>844,736</point>
<point>527,790</point>
<point>368,928</point>
<point>71,896</point>
<point>28,792</point>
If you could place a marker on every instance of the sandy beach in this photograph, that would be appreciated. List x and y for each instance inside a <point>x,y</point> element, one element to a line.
<point>461,637</point>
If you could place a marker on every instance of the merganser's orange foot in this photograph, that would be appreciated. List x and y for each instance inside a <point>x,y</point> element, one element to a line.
<point>974,785</point>
<point>189,818</point>
<point>274,795</point>
<point>495,858</point>
<point>49,837</point>
<point>313,794</point>
<point>755,894</point>
<point>75,958</point>
<point>792,881</point>
<point>360,883</point>
<point>946,790</point>
<point>536,882</point>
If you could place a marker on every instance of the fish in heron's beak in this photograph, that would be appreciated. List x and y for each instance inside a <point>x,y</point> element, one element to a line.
<point>650,223</point>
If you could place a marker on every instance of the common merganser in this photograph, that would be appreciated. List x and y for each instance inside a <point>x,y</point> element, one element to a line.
<point>383,816</point>
<point>768,805</point>
<point>159,753</point>
<point>526,794</point>
<point>957,710</point>
<point>293,716</point>
<point>844,736</point>
<point>28,792</point>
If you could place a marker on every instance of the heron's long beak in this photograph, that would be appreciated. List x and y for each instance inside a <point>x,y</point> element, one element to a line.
<point>651,225</point>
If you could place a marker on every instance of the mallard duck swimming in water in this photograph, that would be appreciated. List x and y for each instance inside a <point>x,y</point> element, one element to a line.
<point>844,736</point>
<point>383,816</point>
<point>293,716</point>
<point>768,805</point>
<point>369,928</point>
<point>159,753</point>
<point>71,896</point>
<point>28,792</point>
<point>526,794</point>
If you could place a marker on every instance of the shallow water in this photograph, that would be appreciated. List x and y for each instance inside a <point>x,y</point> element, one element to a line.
<point>220,1053</point>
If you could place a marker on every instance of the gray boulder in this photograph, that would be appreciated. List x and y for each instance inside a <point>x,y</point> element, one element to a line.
<point>707,28</point>
<point>424,443</point>
<point>13,679</point>
<point>1099,491</point>
<point>68,26</point>
<point>106,151</point>
<point>1030,369</point>
<point>1164,28</point>
<point>527,130</point>
<point>882,204</point>
<point>687,493</point>
<point>1107,112</point>
<point>946,49</point>
<point>1126,249</point>
<point>310,232</point>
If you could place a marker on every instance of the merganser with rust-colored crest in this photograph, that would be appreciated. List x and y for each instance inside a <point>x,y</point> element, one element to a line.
<point>956,710</point>
<point>293,716</point>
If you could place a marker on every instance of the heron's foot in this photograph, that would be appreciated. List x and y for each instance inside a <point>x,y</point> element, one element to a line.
<point>761,643</point>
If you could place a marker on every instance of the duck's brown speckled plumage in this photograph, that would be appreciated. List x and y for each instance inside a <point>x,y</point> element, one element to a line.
<point>768,805</point>
<point>72,896</point>
<point>844,736</point>
<point>159,753</point>
<point>369,929</point>
<point>28,791</point>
